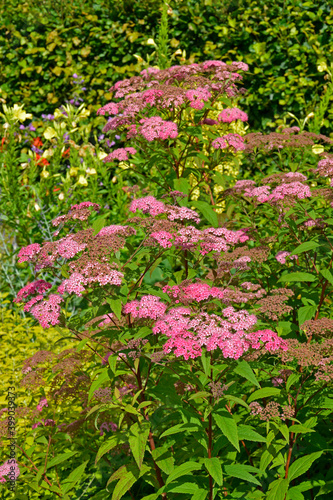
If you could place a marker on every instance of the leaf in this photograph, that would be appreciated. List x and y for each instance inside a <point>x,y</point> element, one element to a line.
<point>97,383</point>
<point>138,440</point>
<point>116,306</point>
<point>300,429</point>
<point>278,489</point>
<point>182,470</point>
<point>305,313</point>
<point>265,392</point>
<point>108,445</point>
<point>60,458</point>
<point>73,478</point>
<point>244,370</point>
<point>301,465</point>
<point>246,432</point>
<point>305,247</point>
<point>129,475</point>
<point>241,471</point>
<point>98,224</point>
<point>200,495</point>
<point>164,459</point>
<point>207,212</point>
<point>295,494</point>
<point>180,428</point>
<point>228,427</point>
<point>214,468</point>
<point>182,185</point>
<point>327,275</point>
<point>185,487</point>
<point>297,277</point>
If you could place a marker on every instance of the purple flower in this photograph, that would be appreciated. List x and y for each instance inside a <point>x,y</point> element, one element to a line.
<point>101,137</point>
<point>31,127</point>
<point>110,144</point>
<point>65,137</point>
<point>22,127</point>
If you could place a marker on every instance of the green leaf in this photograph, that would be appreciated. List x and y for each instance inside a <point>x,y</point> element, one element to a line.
<point>200,495</point>
<point>127,477</point>
<point>246,432</point>
<point>182,470</point>
<point>138,440</point>
<point>301,465</point>
<point>327,275</point>
<point>103,377</point>
<point>305,247</point>
<point>278,489</point>
<point>180,428</point>
<point>214,468</point>
<point>108,445</point>
<point>301,429</point>
<point>265,392</point>
<point>228,427</point>
<point>295,494</point>
<point>98,224</point>
<point>305,313</point>
<point>182,185</point>
<point>74,477</point>
<point>297,277</point>
<point>164,459</point>
<point>185,487</point>
<point>244,370</point>
<point>60,458</point>
<point>116,306</point>
<point>207,212</point>
<point>242,472</point>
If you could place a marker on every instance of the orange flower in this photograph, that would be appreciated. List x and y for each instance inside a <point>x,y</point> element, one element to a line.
<point>37,142</point>
<point>66,153</point>
<point>42,161</point>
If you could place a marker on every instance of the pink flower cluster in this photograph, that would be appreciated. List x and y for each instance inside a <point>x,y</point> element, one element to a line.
<point>41,404</point>
<point>114,229</point>
<point>47,312</point>
<point>9,468</point>
<point>107,427</point>
<point>281,256</point>
<point>157,128</point>
<point>111,107</point>
<point>149,306</point>
<point>188,333</point>
<point>232,114</point>
<point>77,281</point>
<point>36,287</point>
<point>262,193</point>
<point>27,254</point>
<point>120,154</point>
<point>195,292</point>
<point>163,238</point>
<point>46,422</point>
<point>230,140</point>
<point>86,204</point>
<point>198,97</point>
<point>68,248</point>
<point>149,205</point>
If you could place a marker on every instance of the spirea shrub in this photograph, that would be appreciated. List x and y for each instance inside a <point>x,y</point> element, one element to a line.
<point>210,336</point>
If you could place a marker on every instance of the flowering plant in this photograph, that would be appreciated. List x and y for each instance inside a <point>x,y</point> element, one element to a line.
<point>211,344</point>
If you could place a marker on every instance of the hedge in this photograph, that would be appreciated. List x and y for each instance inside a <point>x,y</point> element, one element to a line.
<point>43,44</point>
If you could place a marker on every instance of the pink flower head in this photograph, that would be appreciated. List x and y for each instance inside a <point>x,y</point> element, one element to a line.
<point>182,213</point>
<point>41,404</point>
<point>68,248</point>
<point>241,65</point>
<point>112,108</point>
<point>29,252</point>
<point>149,306</point>
<point>198,97</point>
<point>261,193</point>
<point>47,312</point>
<point>163,238</point>
<point>232,114</point>
<point>120,154</point>
<point>74,284</point>
<point>149,205</point>
<point>107,427</point>
<point>36,287</point>
<point>297,189</point>
<point>156,128</point>
<point>86,204</point>
<point>114,229</point>
<point>232,140</point>
<point>281,256</point>
<point>9,468</point>
<point>107,318</point>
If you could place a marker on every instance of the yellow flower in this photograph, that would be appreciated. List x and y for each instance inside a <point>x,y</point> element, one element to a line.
<point>49,133</point>
<point>73,172</point>
<point>82,181</point>
<point>37,207</point>
<point>61,196</point>
<point>91,171</point>
<point>16,113</point>
<point>45,174</point>
<point>322,66</point>
<point>317,149</point>
<point>101,155</point>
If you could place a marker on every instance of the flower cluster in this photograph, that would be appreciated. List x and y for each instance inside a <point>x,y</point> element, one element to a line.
<point>232,114</point>
<point>9,468</point>
<point>120,154</point>
<point>234,141</point>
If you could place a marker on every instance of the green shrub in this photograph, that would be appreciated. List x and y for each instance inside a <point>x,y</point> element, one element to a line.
<point>282,41</point>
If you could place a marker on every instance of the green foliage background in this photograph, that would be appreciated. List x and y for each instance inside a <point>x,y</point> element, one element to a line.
<point>43,43</point>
